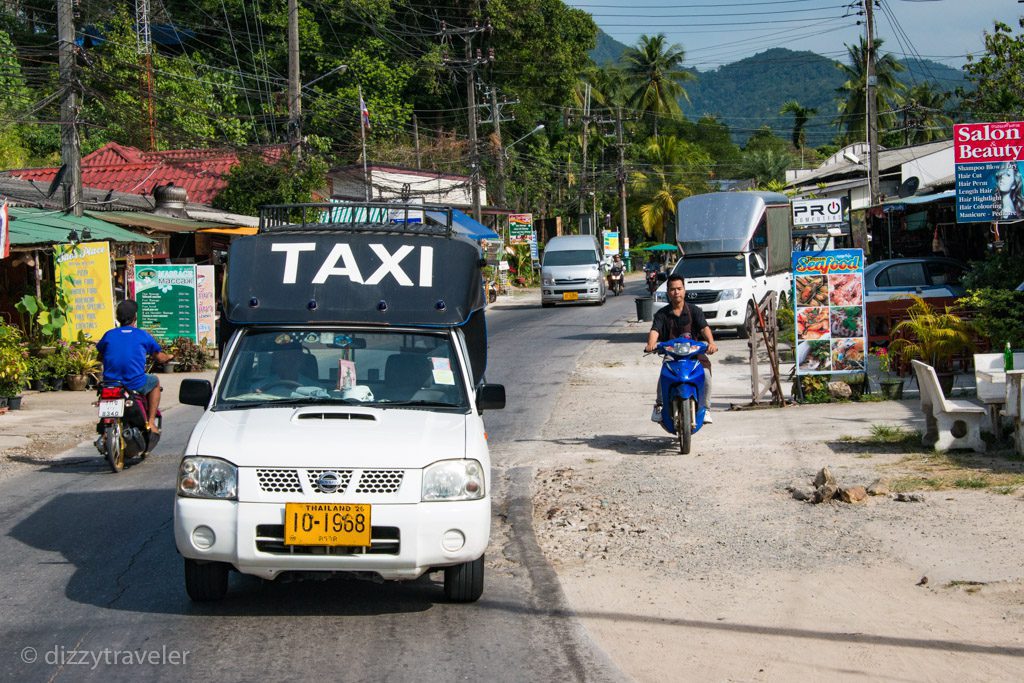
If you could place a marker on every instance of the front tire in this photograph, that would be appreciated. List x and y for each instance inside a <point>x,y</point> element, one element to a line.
<point>113,447</point>
<point>464,582</point>
<point>682,414</point>
<point>206,581</point>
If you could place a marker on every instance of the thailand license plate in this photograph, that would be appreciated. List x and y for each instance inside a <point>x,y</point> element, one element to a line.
<point>334,524</point>
<point>112,408</point>
<point>570,296</point>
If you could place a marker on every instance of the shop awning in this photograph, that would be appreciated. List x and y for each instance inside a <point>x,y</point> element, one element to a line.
<point>152,221</point>
<point>465,225</point>
<point>41,226</point>
<point>922,199</point>
<point>241,230</point>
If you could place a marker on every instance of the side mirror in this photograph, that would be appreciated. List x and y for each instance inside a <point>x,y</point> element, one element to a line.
<point>757,272</point>
<point>490,397</point>
<point>195,392</point>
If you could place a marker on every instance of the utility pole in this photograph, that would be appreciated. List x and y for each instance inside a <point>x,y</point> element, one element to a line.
<point>294,86</point>
<point>416,139</point>
<point>583,166</point>
<point>495,117</point>
<point>69,146</point>
<point>874,196</point>
<point>620,176</point>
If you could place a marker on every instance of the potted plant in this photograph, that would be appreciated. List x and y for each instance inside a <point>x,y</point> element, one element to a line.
<point>14,365</point>
<point>57,366</point>
<point>933,337</point>
<point>83,360</point>
<point>892,387</point>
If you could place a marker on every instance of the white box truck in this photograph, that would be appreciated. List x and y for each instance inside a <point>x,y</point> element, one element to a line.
<point>737,248</point>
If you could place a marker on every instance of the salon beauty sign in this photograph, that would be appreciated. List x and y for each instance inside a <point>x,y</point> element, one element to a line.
<point>988,159</point>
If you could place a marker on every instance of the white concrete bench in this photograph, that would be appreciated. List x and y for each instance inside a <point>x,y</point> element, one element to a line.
<point>949,423</point>
<point>1015,406</point>
<point>990,380</point>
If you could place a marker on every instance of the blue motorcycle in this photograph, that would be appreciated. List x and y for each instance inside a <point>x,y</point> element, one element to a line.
<point>682,388</point>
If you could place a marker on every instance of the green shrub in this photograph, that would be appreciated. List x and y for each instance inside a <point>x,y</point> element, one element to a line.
<point>998,271</point>
<point>997,315</point>
<point>190,356</point>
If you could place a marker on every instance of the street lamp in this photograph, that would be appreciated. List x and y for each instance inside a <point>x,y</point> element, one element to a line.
<point>537,129</point>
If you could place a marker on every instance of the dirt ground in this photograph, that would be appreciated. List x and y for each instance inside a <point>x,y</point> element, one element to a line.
<point>704,567</point>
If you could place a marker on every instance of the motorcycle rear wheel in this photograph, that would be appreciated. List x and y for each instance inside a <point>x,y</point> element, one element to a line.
<point>114,447</point>
<point>682,412</point>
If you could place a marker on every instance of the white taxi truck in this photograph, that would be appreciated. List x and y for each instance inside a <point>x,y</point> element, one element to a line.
<point>343,432</point>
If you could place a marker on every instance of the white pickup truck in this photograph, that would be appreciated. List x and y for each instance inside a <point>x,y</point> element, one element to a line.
<point>737,248</point>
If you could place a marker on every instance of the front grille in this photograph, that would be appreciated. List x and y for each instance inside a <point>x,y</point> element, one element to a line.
<point>279,481</point>
<point>384,540</point>
<point>312,476</point>
<point>380,481</point>
<point>702,296</point>
<point>571,281</point>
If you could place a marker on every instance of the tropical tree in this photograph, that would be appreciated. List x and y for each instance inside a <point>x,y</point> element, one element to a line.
<point>765,165</point>
<point>800,116</point>
<point>853,92</point>
<point>653,70</point>
<point>924,115</point>
<point>672,170</point>
<point>997,76</point>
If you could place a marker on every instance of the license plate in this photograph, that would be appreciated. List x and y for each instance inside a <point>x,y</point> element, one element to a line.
<point>570,296</point>
<point>327,524</point>
<point>112,408</point>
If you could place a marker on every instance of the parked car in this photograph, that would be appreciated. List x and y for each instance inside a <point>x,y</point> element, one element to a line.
<point>888,285</point>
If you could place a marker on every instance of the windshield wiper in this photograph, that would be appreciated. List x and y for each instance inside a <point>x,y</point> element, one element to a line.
<point>283,402</point>
<point>427,404</point>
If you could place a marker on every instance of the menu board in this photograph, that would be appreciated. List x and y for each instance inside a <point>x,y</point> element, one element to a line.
<point>166,295</point>
<point>84,273</point>
<point>828,294</point>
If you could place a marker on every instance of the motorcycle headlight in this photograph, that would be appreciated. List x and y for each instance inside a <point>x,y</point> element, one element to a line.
<point>453,480</point>
<point>727,294</point>
<point>203,477</point>
<point>682,349</point>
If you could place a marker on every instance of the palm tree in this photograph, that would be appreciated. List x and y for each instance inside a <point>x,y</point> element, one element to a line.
<point>924,115</point>
<point>765,165</point>
<point>654,72</point>
<point>800,116</point>
<point>673,169</point>
<point>853,93</point>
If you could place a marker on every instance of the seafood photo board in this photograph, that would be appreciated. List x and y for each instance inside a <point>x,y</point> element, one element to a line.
<point>828,293</point>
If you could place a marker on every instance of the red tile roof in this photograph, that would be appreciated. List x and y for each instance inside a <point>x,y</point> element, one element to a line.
<point>202,172</point>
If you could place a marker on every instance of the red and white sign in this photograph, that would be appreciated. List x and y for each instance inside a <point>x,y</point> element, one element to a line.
<point>981,142</point>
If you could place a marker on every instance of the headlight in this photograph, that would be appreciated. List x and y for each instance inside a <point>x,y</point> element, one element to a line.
<point>682,349</point>
<point>727,294</point>
<point>661,297</point>
<point>202,477</point>
<point>548,281</point>
<point>453,480</point>
<point>591,280</point>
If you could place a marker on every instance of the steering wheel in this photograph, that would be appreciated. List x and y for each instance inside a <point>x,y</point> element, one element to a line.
<point>286,383</point>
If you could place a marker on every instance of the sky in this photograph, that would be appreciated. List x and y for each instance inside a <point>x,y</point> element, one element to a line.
<point>716,32</point>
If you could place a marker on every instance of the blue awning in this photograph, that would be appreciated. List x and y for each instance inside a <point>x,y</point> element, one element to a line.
<point>923,198</point>
<point>465,225</point>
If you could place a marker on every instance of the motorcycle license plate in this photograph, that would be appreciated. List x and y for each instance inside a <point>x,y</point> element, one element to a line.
<point>112,408</point>
<point>331,524</point>
<point>570,296</point>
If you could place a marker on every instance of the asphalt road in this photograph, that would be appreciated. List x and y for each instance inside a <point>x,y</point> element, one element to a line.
<point>93,588</point>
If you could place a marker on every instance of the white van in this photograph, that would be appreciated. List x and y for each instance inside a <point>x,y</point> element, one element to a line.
<point>571,271</point>
<point>343,432</point>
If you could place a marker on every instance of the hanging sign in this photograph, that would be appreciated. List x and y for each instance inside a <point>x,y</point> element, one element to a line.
<point>828,292</point>
<point>520,228</point>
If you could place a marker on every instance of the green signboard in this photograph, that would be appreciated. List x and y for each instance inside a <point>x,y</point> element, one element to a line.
<point>166,295</point>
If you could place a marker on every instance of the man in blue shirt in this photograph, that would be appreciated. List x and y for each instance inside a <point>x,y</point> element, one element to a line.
<point>123,351</point>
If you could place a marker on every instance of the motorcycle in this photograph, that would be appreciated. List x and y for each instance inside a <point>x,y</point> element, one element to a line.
<point>122,429</point>
<point>682,388</point>
<point>617,280</point>
<point>653,279</point>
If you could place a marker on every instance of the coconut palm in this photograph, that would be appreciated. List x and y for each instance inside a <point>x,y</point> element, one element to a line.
<point>853,92</point>
<point>672,170</point>
<point>654,72</point>
<point>924,115</point>
<point>765,165</point>
<point>800,116</point>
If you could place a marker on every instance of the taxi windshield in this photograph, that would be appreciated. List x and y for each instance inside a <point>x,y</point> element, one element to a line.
<point>381,368</point>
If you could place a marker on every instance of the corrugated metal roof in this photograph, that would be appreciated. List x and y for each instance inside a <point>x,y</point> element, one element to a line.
<point>201,172</point>
<point>37,227</point>
<point>155,222</point>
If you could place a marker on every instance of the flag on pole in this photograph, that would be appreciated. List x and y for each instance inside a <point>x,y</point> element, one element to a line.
<point>364,113</point>
<point>5,232</point>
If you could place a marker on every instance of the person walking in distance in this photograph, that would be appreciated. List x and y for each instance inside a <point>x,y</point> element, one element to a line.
<point>680,319</point>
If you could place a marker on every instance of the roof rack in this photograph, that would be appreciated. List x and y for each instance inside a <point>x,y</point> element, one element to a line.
<point>387,217</point>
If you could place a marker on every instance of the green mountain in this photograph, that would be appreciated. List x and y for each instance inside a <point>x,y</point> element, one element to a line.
<point>607,49</point>
<point>748,94</point>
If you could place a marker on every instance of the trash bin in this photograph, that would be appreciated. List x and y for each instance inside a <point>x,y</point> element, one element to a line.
<point>644,308</point>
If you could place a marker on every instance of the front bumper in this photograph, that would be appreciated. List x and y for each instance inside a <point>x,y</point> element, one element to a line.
<point>409,539</point>
<point>584,292</point>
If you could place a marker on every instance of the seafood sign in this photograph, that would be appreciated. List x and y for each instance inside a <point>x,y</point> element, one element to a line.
<point>828,293</point>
